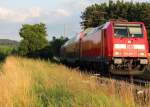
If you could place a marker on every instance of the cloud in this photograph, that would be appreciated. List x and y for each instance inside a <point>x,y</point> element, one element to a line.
<point>62,12</point>
<point>25,15</point>
<point>12,19</point>
<point>18,15</point>
<point>74,5</point>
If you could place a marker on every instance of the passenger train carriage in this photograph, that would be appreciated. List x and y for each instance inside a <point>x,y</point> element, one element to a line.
<point>120,46</point>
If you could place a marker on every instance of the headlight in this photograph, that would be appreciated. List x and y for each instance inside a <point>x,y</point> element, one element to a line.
<point>117,53</point>
<point>117,61</point>
<point>143,61</point>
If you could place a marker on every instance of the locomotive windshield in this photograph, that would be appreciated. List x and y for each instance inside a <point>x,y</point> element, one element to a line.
<point>128,30</point>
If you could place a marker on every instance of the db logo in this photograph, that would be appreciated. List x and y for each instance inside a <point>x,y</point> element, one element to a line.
<point>129,46</point>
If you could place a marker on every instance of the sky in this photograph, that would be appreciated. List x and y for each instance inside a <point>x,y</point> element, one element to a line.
<point>58,15</point>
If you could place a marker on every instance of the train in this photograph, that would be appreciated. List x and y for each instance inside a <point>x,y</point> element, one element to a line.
<point>117,47</point>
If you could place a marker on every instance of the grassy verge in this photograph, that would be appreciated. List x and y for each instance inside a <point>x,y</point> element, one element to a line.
<point>36,83</point>
<point>6,50</point>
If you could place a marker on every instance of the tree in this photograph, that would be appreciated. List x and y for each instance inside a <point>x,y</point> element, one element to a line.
<point>33,38</point>
<point>56,44</point>
<point>115,10</point>
<point>93,16</point>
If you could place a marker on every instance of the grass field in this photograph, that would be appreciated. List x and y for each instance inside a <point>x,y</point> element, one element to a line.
<point>37,83</point>
<point>6,50</point>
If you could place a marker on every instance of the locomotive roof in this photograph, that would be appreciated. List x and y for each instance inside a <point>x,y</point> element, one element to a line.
<point>105,26</point>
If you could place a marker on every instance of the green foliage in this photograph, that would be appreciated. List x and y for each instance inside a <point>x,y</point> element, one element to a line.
<point>6,50</point>
<point>60,97</point>
<point>34,42</point>
<point>56,44</point>
<point>34,39</point>
<point>97,14</point>
<point>93,16</point>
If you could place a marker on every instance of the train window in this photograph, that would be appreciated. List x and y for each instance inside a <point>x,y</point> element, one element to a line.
<point>121,32</point>
<point>135,32</point>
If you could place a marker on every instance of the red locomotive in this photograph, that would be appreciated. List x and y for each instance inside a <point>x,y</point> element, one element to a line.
<point>120,46</point>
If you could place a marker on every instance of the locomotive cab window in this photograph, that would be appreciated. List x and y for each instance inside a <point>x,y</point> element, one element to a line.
<point>128,31</point>
<point>135,32</point>
<point>121,32</point>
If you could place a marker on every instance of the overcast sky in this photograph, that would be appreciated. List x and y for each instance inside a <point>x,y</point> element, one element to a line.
<point>56,14</point>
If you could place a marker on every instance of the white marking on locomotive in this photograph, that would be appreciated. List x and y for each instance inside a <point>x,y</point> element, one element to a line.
<point>120,46</point>
<point>135,46</point>
<point>138,46</point>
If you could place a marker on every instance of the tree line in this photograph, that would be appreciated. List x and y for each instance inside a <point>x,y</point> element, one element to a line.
<point>97,14</point>
<point>34,42</point>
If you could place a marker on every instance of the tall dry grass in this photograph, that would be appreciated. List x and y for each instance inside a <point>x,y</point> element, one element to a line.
<point>36,83</point>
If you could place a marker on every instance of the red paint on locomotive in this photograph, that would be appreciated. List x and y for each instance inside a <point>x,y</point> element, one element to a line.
<point>115,43</point>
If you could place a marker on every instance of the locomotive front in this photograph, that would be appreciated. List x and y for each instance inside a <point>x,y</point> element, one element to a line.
<point>130,48</point>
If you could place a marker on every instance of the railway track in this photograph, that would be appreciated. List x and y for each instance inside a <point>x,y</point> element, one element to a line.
<point>131,80</point>
<point>139,87</point>
<point>138,81</point>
